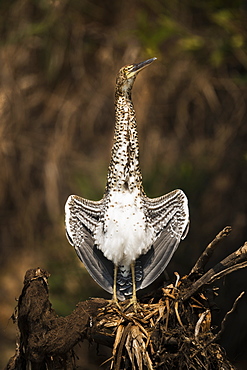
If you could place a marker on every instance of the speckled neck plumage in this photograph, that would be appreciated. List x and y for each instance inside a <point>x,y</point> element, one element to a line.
<point>124,171</point>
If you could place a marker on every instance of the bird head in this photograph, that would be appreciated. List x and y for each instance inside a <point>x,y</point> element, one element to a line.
<point>127,75</point>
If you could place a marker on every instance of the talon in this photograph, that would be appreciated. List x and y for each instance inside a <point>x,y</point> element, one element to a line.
<point>135,304</point>
<point>114,302</point>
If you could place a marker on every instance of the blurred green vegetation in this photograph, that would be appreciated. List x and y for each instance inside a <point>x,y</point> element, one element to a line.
<point>59,59</point>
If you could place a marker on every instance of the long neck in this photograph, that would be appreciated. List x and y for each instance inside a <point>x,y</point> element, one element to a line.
<point>124,171</point>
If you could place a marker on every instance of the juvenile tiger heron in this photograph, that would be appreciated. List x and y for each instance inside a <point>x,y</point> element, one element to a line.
<point>126,239</point>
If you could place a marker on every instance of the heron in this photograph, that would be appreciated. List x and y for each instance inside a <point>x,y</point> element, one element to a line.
<point>126,239</point>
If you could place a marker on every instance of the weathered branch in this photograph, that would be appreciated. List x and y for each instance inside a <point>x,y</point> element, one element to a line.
<point>168,332</point>
<point>43,333</point>
<point>222,327</point>
<point>233,262</point>
<point>205,256</point>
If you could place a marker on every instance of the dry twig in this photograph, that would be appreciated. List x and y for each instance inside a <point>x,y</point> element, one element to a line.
<point>205,256</point>
<point>233,262</point>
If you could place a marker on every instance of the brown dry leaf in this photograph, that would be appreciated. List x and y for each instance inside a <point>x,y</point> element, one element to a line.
<point>118,338</point>
<point>206,324</point>
<point>128,346</point>
<point>201,323</point>
<point>168,313</point>
<point>177,314</point>
<point>151,314</point>
<point>139,351</point>
<point>197,302</point>
<point>113,323</point>
<point>141,328</point>
<point>137,344</point>
<point>161,313</point>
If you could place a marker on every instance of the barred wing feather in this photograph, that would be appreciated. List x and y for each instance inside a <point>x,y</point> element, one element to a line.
<point>169,216</point>
<point>81,218</point>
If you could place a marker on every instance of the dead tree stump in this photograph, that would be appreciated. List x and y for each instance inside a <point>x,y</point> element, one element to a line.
<point>170,331</point>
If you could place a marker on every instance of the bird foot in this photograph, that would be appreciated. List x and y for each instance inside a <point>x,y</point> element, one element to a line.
<point>133,302</point>
<point>114,302</point>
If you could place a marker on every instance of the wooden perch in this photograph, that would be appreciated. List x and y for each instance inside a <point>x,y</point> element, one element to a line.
<point>233,262</point>
<point>205,256</point>
<point>42,333</point>
<point>167,332</point>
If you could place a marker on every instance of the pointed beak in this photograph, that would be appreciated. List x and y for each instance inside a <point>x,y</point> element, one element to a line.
<point>136,68</point>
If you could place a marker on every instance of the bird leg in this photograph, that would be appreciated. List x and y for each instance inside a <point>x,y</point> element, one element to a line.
<point>114,300</point>
<point>114,294</point>
<point>133,300</point>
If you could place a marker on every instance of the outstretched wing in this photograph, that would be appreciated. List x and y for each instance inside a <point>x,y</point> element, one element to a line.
<point>169,216</point>
<point>81,219</point>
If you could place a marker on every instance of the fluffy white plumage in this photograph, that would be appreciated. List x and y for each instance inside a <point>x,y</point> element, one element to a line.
<point>125,235</point>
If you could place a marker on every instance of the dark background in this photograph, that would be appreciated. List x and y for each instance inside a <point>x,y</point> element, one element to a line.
<point>59,60</point>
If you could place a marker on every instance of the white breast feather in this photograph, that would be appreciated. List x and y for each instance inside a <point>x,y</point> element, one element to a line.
<point>125,235</point>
